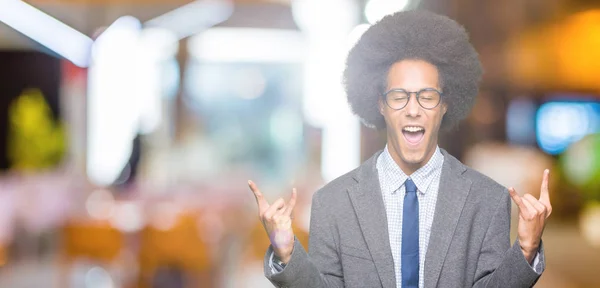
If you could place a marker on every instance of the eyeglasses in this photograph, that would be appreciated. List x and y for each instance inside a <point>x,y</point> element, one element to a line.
<point>428,98</point>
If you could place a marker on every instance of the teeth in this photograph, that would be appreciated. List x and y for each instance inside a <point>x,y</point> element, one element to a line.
<point>413,129</point>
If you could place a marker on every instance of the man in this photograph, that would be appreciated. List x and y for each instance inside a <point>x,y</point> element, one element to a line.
<point>412,215</point>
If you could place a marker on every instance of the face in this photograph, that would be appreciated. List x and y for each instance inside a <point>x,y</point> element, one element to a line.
<point>412,131</point>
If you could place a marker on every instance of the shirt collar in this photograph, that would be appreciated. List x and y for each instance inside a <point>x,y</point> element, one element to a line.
<point>394,177</point>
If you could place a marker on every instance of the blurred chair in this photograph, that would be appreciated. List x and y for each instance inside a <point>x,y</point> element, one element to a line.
<point>95,240</point>
<point>178,250</point>
<point>92,240</point>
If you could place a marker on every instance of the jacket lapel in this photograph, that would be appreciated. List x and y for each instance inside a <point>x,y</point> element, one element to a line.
<point>368,205</point>
<point>453,191</point>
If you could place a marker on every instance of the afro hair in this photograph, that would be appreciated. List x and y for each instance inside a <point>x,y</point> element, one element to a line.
<point>420,35</point>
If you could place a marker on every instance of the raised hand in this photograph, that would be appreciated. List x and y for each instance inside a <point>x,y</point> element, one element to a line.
<point>532,218</point>
<point>277,220</point>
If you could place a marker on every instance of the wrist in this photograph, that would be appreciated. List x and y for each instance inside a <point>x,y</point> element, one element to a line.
<point>529,247</point>
<point>283,259</point>
<point>529,256</point>
<point>529,251</point>
<point>283,245</point>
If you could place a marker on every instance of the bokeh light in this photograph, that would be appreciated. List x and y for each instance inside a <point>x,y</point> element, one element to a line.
<point>581,165</point>
<point>100,204</point>
<point>560,124</point>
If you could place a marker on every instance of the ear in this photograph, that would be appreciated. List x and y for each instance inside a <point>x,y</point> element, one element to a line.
<point>381,105</point>
<point>444,108</point>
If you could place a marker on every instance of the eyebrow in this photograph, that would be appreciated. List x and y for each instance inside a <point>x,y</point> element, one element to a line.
<point>403,89</point>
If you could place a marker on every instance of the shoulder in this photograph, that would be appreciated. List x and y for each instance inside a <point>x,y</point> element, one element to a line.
<point>483,182</point>
<point>486,191</point>
<point>336,188</point>
<point>482,186</point>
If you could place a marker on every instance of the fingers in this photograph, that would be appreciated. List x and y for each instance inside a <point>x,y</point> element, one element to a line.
<point>518,200</point>
<point>544,193</point>
<point>530,212</point>
<point>278,208</point>
<point>260,199</point>
<point>539,207</point>
<point>273,209</point>
<point>292,203</point>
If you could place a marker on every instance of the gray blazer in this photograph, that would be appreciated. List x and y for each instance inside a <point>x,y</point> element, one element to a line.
<point>349,244</point>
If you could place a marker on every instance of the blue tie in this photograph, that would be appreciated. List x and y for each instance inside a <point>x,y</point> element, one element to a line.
<point>410,237</point>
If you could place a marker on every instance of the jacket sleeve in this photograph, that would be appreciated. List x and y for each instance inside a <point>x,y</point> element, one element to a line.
<point>500,265</point>
<point>321,266</point>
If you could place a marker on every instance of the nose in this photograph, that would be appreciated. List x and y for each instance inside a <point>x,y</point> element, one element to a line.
<point>413,108</point>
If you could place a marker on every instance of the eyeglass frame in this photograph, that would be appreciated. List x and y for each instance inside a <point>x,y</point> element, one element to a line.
<point>409,93</point>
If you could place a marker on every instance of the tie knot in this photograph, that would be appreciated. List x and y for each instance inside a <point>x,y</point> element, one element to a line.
<point>410,186</point>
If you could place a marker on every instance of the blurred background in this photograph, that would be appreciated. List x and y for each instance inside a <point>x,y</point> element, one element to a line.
<point>128,129</point>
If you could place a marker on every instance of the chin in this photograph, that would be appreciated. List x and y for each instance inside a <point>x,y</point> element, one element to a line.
<point>412,157</point>
<point>412,146</point>
<point>412,154</point>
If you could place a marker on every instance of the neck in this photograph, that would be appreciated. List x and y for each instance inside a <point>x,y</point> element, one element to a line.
<point>406,167</point>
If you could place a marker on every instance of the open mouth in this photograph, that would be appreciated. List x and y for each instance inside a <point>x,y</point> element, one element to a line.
<point>413,134</point>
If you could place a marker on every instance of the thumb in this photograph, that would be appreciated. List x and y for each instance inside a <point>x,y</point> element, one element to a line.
<point>515,197</point>
<point>260,199</point>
